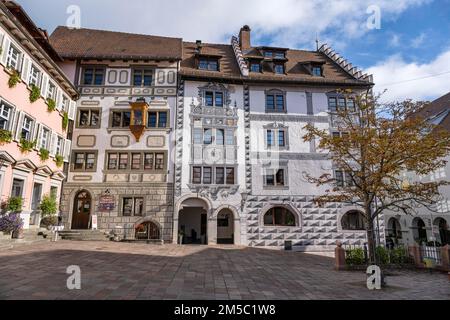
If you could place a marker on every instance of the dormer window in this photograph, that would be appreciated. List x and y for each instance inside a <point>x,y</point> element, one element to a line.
<point>279,69</point>
<point>279,55</point>
<point>317,71</point>
<point>210,64</point>
<point>268,54</point>
<point>255,67</point>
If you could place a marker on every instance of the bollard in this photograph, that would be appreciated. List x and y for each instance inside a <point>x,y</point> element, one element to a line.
<point>339,256</point>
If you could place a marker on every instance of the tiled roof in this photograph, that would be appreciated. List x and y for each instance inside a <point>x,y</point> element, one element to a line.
<point>295,70</point>
<point>97,44</point>
<point>438,110</point>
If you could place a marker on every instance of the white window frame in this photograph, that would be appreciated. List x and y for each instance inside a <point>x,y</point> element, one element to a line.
<point>28,128</point>
<point>7,119</point>
<point>51,94</point>
<point>59,146</point>
<point>47,140</point>
<point>34,76</point>
<point>13,58</point>
<point>65,102</point>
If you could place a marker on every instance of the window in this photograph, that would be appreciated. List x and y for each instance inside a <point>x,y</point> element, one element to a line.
<point>65,103</point>
<point>27,125</point>
<point>332,103</point>
<point>5,116</point>
<point>112,161</point>
<point>121,119</point>
<point>17,188</point>
<point>93,76</point>
<point>220,175</point>
<point>275,103</point>
<point>157,119</point>
<point>353,220</point>
<point>341,103</point>
<point>268,54</point>
<point>220,137</point>
<point>149,159</point>
<point>51,91</point>
<point>198,136</point>
<point>274,178</point>
<point>214,99</point>
<point>279,55</point>
<point>230,175</point>
<point>339,177</point>
<point>159,161</point>
<point>88,118</point>
<point>270,138</point>
<point>279,217</point>
<point>12,60</point>
<point>281,138</point>
<point>317,71</point>
<point>123,161</point>
<point>132,206</point>
<point>207,136</point>
<point>54,192</point>
<point>44,138</point>
<point>84,161</point>
<point>136,161</point>
<point>276,137</point>
<point>207,175</point>
<point>59,146</point>
<point>34,76</point>
<point>197,175</point>
<point>229,137</point>
<point>210,64</point>
<point>255,67</point>
<point>351,105</point>
<point>279,69</point>
<point>142,77</point>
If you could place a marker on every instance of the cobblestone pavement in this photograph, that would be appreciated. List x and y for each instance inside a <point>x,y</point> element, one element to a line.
<point>136,271</point>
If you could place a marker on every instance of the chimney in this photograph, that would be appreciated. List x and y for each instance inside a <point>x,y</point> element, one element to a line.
<point>244,38</point>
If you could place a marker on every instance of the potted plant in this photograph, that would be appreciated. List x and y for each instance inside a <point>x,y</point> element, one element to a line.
<point>26,146</point>
<point>35,93</point>
<point>48,207</point>
<point>65,120</point>
<point>51,105</point>
<point>11,225</point>
<point>14,221</point>
<point>59,159</point>
<point>44,154</point>
<point>14,78</point>
<point>5,136</point>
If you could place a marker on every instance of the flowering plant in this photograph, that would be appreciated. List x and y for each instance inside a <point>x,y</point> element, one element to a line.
<point>10,222</point>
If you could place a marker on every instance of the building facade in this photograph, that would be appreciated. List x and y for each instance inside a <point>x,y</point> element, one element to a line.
<point>36,99</point>
<point>121,173</point>
<point>426,225</point>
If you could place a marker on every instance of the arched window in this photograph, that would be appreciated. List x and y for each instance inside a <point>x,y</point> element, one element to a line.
<point>279,216</point>
<point>353,220</point>
<point>394,229</point>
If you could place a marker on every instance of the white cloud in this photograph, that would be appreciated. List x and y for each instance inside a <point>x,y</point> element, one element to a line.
<point>419,40</point>
<point>290,22</point>
<point>412,80</point>
<point>395,40</point>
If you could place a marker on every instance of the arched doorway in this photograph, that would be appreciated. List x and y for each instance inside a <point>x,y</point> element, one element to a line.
<point>353,220</point>
<point>394,230</point>
<point>193,222</point>
<point>147,231</point>
<point>444,233</point>
<point>419,230</point>
<point>225,227</point>
<point>82,206</point>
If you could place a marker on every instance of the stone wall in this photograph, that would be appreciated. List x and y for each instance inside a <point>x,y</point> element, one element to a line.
<point>158,205</point>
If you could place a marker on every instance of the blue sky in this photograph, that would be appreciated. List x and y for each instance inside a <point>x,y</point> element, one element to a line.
<point>409,55</point>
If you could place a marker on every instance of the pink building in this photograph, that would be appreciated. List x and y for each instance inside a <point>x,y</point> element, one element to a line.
<point>36,110</point>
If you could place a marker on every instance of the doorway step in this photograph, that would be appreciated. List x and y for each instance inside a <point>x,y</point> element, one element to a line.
<point>156,242</point>
<point>83,235</point>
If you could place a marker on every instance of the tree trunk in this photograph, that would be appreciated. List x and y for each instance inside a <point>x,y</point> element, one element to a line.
<point>371,244</point>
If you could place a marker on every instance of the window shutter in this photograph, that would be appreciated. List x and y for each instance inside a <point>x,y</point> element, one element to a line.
<point>5,48</point>
<point>12,120</point>
<point>67,146</point>
<point>37,135</point>
<point>53,141</point>
<point>72,109</point>
<point>26,66</point>
<point>58,98</point>
<point>19,121</point>
<point>44,86</point>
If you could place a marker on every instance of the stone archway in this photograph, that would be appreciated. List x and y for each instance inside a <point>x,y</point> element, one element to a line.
<point>442,231</point>
<point>191,220</point>
<point>419,230</point>
<point>225,226</point>
<point>147,229</point>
